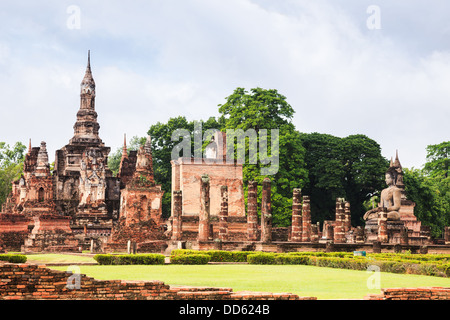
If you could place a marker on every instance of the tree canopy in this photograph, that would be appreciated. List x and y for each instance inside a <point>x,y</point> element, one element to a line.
<point>11,166</point>
<point>351,168</point>
<point>259,110</point>
<point>429,188</point>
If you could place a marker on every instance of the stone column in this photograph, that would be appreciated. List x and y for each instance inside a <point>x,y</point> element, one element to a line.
<point>347,217</point>
<point>296,229</point>
<point>306,220</point>
<point>252,211</point>
<point>447,235</point>
<point>314,233</point>
<point>266,212</point>
<point>330,232</point>
<point>223,217</point>
<point>339,234</point>
<point>203,223</point>
<point>359,235</point>
<point>382,225</point>
<point>376,247</point>
<point>404,236</point>
<point>177,223</point>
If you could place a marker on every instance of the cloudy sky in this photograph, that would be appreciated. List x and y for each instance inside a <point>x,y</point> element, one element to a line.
<point>379,68</point>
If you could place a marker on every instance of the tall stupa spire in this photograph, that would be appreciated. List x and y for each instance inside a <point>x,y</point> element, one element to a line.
<point>88,83</point>
<point>86,127</point>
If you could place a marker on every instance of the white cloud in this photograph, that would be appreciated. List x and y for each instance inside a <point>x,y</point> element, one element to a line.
<point>158,59</point>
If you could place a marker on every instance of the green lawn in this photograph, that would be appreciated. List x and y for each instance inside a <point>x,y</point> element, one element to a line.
<point>59,258</point>
<point>323,283</point>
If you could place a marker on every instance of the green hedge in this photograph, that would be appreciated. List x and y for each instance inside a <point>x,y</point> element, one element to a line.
<point>124,259</point>
<point>13,258</point>
<point>191,258</point>
<point>216,255</point>
<point>432,267</point>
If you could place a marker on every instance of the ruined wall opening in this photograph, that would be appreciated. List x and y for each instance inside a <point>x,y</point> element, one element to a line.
<point>41,194</point>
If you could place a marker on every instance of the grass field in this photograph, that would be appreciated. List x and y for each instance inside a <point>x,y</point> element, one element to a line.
<point>59,258</point>
<point>323,283</point>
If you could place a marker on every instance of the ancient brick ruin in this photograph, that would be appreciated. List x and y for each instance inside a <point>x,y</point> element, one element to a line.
<point>30,282</point>
<point>82,205</point>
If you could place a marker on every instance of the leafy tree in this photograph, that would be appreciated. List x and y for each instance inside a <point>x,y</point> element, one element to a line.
<point>364,170</point>
<point>429,188</point>
<point>162,146</point>
<point>438,160</point>
<point>267,109</point>
<point>350,167</point>
<point>11,166</point>
<point>432,208</point>
<point>324,164</point>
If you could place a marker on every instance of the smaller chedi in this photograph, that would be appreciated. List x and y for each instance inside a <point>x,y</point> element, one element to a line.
<point>393,220</point>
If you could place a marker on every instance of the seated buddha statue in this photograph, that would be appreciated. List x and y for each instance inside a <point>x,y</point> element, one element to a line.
<point>390,199</point>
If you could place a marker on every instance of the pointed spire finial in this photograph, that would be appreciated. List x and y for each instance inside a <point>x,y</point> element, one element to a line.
<point>88,83</point>
<point>124,150</point>
<point>29,147</point>
<point>397,161</point>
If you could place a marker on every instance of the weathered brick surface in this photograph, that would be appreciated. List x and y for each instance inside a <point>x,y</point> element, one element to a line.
<point>424,293</point>
<point>31,282</point>
<point>186,176</point>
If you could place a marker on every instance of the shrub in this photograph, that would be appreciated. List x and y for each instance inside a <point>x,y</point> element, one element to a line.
<point>192,258</point>
<point>103,259</point>
<point>261,258</point>
<point>220,255</point>
<point>292,259</point>
<point>391,266</point>
<point>216,255</point>
<point>176,252</point>
<point>240,256</point>
<point>124,259</point>
<point>13,258</point>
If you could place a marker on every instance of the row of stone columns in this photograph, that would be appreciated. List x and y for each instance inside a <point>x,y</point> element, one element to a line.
<point>301,231</point>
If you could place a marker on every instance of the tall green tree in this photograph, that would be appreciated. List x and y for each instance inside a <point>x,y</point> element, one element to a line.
<point>429,188</point>
<point>267,109</point>
<point>431,209</point>
<point>11,166</point>
<point>162,146</point>
<point>438,160</point>
<point>351,167</point>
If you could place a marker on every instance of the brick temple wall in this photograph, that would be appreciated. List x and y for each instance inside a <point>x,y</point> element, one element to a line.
<point>13,231</point>
<point>30,282</point>
<point>425,293</point>
<point>186,177</point>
